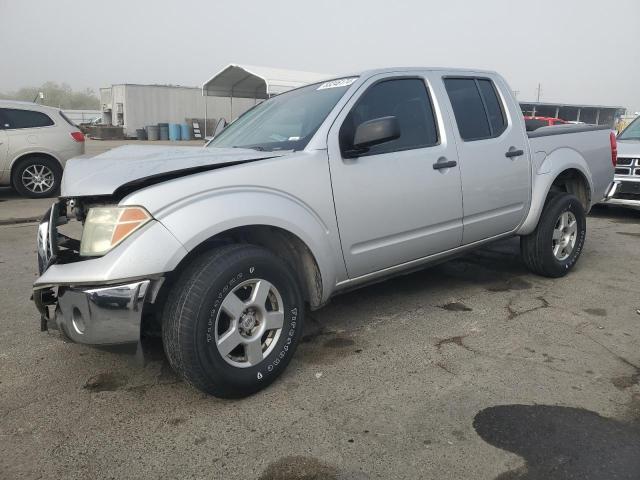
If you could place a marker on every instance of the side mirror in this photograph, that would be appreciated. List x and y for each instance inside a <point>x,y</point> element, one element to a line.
<point>373,132</point>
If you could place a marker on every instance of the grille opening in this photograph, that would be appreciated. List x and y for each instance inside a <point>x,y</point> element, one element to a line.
<point>623,171</point>
<point>624,161</point>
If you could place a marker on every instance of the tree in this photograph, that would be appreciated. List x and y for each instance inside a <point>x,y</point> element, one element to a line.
<point>58,95</point>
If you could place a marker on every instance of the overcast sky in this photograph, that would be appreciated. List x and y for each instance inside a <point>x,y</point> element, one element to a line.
<point>581,51</point>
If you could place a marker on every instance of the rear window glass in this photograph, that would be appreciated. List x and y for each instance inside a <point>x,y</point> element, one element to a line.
<point>533,124</point>
<point>15,118</point>
<point>494,107</point>
<point>468,108</point>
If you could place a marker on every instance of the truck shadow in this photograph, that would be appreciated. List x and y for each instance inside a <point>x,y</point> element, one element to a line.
<point>561,443</point>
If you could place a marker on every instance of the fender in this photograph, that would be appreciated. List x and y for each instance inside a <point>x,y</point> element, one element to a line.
<point>551,167</point>
<point>244,206</point>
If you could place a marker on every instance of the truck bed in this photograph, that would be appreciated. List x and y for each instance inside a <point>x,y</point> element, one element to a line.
<point>579,144</point>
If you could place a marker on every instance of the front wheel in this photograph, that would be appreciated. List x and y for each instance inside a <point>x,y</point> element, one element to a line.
<point>233,320</point>
<point>554,247</point>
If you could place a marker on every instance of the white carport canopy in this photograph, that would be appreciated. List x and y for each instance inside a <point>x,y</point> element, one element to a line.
<point>246,81</point>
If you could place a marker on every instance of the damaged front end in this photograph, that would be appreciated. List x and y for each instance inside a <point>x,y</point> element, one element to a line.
<point>89,312</point>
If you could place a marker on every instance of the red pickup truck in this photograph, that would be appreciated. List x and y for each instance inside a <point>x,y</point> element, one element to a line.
<point>533,123</point>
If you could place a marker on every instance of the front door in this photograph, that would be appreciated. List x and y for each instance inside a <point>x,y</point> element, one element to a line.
<point>393,206</point>
<point>494,156</point>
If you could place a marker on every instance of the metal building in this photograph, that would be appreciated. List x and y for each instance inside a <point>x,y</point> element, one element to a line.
<point>227,94</point>
<point>134,106</point>
<point>592,114</point>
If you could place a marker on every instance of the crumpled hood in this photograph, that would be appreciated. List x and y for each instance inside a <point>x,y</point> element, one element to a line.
<point>139,165</point>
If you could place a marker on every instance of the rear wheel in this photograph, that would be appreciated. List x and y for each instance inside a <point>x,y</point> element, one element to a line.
<point>233,320</point>
<point>37,177</point>
<point>554,247</point>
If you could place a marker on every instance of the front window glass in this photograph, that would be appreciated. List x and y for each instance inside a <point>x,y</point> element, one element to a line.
<point>632,132</point>
<point>285,122</point>
<point>407,100</point>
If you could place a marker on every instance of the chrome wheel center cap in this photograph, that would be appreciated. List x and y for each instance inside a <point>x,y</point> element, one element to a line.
<point>248,321</point>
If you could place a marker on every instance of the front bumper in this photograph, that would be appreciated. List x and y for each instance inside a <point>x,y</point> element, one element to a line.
<point>623,192</point>
<point>90,312</point>
<point>95,315</point>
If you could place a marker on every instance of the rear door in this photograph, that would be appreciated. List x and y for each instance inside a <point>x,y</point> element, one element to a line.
<point>392,205</point>
<point>494,156</point>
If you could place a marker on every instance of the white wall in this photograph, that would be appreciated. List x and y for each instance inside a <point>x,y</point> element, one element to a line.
<point>152,104</point>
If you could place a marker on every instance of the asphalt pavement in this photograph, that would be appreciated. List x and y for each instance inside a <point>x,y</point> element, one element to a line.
<point>473,369</point>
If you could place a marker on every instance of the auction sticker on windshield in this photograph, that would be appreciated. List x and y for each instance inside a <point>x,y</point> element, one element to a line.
<point>342,82</point>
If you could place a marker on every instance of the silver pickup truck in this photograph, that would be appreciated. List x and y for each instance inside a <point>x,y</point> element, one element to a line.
<point>312,192</point>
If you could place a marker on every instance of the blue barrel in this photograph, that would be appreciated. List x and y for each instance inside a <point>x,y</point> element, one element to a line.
<point>185,133</point>
<point>174,132</point>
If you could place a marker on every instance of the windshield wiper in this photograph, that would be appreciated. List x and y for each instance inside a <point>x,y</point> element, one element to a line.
<point>251,147</point>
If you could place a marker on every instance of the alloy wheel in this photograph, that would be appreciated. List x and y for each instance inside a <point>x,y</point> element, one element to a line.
<point>38,178</point>
<point>565,234</point>
<point>249,323</point>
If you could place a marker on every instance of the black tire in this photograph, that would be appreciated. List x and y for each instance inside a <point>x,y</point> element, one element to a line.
<point>194,303</point>
<point>537,248</point>
<point>46,165</point>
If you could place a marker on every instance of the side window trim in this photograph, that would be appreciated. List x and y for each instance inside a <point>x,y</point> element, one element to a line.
<point>431,111</point>
<point>484,105</point>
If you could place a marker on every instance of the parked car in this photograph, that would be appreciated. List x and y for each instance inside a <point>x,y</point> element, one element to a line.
<point>627,172</point>
<point>35,143</point>
<point>313,192</point>
<point>533,123</point>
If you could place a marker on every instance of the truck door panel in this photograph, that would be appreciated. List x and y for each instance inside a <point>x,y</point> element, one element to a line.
<point>392,205</point>
<point>494,157</point>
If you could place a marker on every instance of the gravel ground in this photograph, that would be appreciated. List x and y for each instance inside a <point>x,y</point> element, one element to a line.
<point>472,369</point>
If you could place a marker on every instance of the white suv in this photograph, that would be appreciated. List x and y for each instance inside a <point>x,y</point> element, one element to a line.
<point>35,143</point>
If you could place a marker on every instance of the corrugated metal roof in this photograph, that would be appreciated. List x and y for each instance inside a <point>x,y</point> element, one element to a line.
<point>570,105</point>
<point>249,81</point>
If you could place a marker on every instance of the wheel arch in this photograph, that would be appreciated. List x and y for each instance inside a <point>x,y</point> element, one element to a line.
<point>573,181</point>
<point>284,244</point>
<point>571,178</point>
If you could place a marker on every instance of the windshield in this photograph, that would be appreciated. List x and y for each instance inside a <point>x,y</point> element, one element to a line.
<point>632,132</point>
<point>285,122</point>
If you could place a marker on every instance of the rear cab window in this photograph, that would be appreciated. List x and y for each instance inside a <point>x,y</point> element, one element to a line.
<point>533,124</point>
<point>477,108</point>
<point>14,118</point>
<point>408,100</point>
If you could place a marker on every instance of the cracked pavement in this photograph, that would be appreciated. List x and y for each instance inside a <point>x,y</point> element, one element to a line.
<point>436,374</point>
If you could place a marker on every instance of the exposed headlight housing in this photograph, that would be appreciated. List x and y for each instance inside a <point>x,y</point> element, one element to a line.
<point>106,227</point>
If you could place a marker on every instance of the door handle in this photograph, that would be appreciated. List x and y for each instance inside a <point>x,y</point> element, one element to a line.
<point>445,164</point>
<point>514,153</point>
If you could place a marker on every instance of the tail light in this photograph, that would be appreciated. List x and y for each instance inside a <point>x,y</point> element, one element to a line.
<point>77,136</point>
<point>614,148</point>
